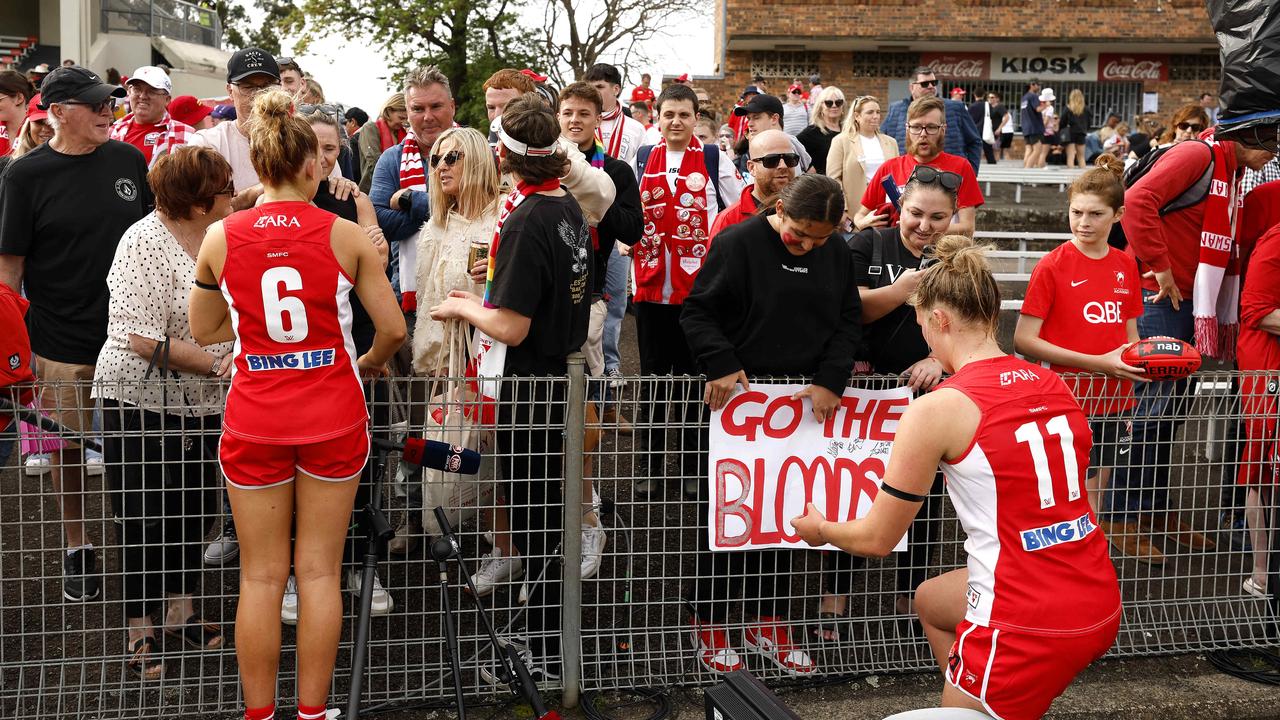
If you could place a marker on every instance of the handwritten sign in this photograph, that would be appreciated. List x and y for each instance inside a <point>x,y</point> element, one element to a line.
<point>769,458</point>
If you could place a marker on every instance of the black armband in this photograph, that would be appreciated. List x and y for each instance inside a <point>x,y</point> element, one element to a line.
<point>207,286</point>
<point>902,494</point>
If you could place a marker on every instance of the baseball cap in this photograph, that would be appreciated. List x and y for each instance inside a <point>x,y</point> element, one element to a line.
<point>683,78</point>
<point>251,61</point>
<point>153,76</point>
<point>186,109</point>
<point>957,91</point>
<point>761,103</point>
<point>749,90</point>
<point>224,112</point>
<point>795,88</point>
<point>33,109</point>
<point>75,83</point>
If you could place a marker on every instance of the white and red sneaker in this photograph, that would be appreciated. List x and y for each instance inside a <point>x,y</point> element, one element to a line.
<point>772,639</point>
<point>714,651</point>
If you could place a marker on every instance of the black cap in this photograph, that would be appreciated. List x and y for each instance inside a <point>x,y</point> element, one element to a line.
<point>75,83</point>
<point>251,61</point>
<point>761,103</point>
<point>749,90</point>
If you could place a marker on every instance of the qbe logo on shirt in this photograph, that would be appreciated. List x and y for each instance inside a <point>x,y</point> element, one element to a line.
<point>126,189</point>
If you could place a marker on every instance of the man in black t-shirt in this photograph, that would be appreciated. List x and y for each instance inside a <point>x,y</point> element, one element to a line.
<point>63,208</point>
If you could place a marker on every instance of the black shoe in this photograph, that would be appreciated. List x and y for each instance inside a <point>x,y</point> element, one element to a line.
<point>79,575</point>
<point>491,671</point>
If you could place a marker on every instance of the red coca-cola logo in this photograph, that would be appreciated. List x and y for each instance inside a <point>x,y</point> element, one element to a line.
<point>1133,68</point>
<point>957,66</point>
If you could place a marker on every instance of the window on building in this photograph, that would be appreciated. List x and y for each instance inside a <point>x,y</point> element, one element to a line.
<point>785,64</point>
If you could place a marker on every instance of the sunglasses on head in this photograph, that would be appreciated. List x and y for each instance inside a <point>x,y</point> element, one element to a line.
<point>450,159</point>
<point>927,176</point>
<point>771,160</point>
<point>1193,127</point>
<point>838,102</point>
<point>926,83</point>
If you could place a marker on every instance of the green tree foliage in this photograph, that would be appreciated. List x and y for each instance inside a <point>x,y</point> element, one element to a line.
<point>240,31</point>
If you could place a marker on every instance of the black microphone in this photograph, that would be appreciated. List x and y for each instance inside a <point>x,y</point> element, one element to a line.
<point>434,454</point>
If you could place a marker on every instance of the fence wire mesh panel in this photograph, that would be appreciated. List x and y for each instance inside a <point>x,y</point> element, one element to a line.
<point>1185,537</point>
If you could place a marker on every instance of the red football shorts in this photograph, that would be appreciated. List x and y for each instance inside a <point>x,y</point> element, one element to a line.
<point>250,466</point>
<point>1017,675</point>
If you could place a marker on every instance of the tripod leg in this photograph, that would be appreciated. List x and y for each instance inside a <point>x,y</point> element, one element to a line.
<point>451,637</point>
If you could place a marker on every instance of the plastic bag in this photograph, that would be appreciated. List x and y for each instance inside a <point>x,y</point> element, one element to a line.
<point>1249,39</point>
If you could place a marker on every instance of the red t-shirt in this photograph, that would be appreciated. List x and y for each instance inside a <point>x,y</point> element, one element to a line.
<point>1085,304</point>
<point>642,94</point>
<point>5,145</point>
<point>899,168</point>
<point>1261,212</point>
<point>144,137</point>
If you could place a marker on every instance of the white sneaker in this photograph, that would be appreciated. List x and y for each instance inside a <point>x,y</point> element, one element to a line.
<point>382,602</point>
<point>93,465</point>
<point>615,378</point>
<point>495,569</point>
<point>593,539</point>
<point>36,465</point>
<point>289,604</point>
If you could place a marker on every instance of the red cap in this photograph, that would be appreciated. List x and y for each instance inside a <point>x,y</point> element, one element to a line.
<point>33,109</point>
<point>683,78</point>
<point>795,88</point>
<point>957,91</point>
<point>186,109</point>
<point>533,76</point>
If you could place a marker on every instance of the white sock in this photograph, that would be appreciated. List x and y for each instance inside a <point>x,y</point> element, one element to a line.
<point>88,546</point>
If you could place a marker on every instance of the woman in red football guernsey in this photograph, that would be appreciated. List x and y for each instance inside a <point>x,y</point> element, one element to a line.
<point>1080,313</point>
<point>277,280</point>
<point>1039,599</point>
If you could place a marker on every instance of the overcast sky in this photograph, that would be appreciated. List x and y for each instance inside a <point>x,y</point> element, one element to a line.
<point>353,73</point>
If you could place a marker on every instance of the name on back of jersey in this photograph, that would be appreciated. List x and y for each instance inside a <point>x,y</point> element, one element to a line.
<point>1067,531</point>
<point>301,360</point>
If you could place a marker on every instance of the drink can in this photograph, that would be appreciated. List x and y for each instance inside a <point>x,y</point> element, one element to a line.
<point>479,251</point>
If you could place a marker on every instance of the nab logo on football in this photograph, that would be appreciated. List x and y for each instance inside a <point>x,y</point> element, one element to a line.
<point>277,221</point>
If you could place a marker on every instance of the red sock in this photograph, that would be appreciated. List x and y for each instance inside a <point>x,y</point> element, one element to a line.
<point>262,713</point>
<point>307,712</point>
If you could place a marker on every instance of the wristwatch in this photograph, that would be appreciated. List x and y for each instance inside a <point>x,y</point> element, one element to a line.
<point>405,203</point>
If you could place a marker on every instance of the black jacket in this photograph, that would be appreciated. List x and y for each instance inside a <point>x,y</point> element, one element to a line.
<point>623,222</point>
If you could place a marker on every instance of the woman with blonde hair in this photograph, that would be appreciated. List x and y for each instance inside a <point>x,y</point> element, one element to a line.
<point>375,137</point>
<point>824,124</point>
<point>1076,121</point>
<point>859,150</point>
<point>463,186</point>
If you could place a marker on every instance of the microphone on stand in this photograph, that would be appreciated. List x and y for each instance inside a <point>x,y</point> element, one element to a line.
<point>434,454</point>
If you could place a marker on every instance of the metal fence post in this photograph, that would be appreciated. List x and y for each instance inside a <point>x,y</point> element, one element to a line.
<point>571,620</point>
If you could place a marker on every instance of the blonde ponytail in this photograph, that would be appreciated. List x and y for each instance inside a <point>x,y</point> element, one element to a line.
<point>280,141</point>
<point>961,279</point>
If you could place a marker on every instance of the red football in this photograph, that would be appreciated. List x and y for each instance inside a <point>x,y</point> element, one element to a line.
<point>1164,358</point>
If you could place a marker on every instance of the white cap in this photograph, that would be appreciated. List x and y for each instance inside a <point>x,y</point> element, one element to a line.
<point>153,76</point>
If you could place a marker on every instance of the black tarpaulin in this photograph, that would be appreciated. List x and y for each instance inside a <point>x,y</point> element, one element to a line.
<point>1249,39</point>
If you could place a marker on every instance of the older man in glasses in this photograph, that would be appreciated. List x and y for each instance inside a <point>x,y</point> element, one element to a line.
<point>63,208</point>
<point>772,163</point>
<point>963,138</point>
<point>149,127</point>
<point>926,136</point>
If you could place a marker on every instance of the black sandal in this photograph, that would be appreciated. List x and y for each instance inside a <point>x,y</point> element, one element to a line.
<point>198,633</point>
<point>145,661</point>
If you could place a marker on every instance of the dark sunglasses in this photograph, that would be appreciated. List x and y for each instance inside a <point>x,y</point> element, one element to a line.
<point>926,83</point>
<point>838,102</point>
<point>96,108</point>
<point>927,176</point>
<point>771,161</point>
<point>450,159</point>
<point>1193,127</point>
<point>795,92</point>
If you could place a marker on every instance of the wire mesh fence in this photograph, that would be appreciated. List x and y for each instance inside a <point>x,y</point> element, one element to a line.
<point>625,595</point>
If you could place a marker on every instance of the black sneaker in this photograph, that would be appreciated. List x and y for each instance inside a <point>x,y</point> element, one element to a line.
<point>79,575</point>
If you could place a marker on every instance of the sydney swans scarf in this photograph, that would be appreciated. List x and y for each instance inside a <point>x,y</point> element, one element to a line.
<point>412,177</point>
<point>1216,295</point>
<point>615,135</point>
<point>517,196</point>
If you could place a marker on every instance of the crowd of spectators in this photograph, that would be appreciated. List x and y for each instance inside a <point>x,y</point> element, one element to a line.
<point>540,232</point>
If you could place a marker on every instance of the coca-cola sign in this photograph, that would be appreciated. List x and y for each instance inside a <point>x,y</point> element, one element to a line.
<point>1133,68</point>
<point>958,66</point>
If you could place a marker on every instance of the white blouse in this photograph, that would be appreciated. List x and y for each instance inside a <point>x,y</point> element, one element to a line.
<point>872,155</point>
<point>150,283</point>
<point>442,267</point>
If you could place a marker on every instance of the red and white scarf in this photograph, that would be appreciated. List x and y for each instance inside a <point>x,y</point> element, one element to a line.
<point>1216,294</point>
<point>615,136</point>
<point>676,225</point>
<point>412,177</point>
<point>175,134</point>
<point>517,196</point>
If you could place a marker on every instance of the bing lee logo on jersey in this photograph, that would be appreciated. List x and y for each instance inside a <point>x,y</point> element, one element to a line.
<point>1068,531</point>
<point>301,360</point>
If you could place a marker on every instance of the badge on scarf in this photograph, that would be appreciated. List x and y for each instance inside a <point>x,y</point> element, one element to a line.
<point>645,196</point>
<point>699,250</point>
<point>686,199</point>
<point>696,182</point>
<point>659,193</point>
<point>659,211</point>
<point>682,230</point>
<point>682,214</point>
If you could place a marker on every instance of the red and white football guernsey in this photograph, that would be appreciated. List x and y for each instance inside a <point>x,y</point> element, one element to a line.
<point>1038,562</point>
<point>1085,304</point>
<point>294,380</point>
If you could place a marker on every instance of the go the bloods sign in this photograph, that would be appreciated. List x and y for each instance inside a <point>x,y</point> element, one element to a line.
<point>958,65</point>
<point>1133,68</point>
<point>769,458</point>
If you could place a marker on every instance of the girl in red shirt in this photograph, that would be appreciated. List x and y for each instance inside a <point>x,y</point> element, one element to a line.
<point>1080,313</point>
<point>277,279</point>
